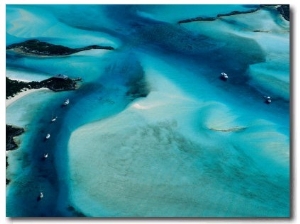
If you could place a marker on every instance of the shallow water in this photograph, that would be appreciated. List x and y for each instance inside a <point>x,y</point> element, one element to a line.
<point>152,131</point>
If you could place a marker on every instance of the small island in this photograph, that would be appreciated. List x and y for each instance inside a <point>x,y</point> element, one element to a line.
<point>40,48</point>
<point>11,132</point>
<point>56,83</point>
<point>218,16</point>
<point>284,10</point>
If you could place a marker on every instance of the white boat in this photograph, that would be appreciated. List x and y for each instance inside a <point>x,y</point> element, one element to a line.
<point>47,136</point>
<point>268,99</point>
<point>224,75</point>
<point>46,155</point>
<point>54,119</point>
<point>67,101</point>
<point>41,195</point>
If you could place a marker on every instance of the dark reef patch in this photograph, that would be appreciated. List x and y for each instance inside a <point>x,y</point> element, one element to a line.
<point>138,89</point>
<point>127,72</point>
<point>75,212</point>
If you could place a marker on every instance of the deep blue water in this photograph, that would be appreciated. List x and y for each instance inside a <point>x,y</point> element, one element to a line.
<point>113,80</point>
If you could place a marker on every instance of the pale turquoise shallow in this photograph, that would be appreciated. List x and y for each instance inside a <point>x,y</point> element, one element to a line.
<point>195,146</point>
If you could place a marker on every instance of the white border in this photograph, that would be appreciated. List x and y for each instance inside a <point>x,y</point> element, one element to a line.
<point>294,70</point>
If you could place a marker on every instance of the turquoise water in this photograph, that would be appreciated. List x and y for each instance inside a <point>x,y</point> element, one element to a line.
<point>152,131</point>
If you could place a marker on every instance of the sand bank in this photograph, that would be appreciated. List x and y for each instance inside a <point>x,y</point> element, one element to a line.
<point>22,94</point>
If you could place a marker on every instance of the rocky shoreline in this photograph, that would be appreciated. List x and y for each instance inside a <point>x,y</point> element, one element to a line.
<point>40,48</point>
<point>13,87</point>
<point>217,17</point>
<point>11,132</point>
<point>56,84</point>
<point>284,10</point>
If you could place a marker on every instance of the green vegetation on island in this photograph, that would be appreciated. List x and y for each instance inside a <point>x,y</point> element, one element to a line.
<point>13,87</point>
<point>11,132</point>
<point>40,48</point>
<point>57,83</point>
<point>7,180</point>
